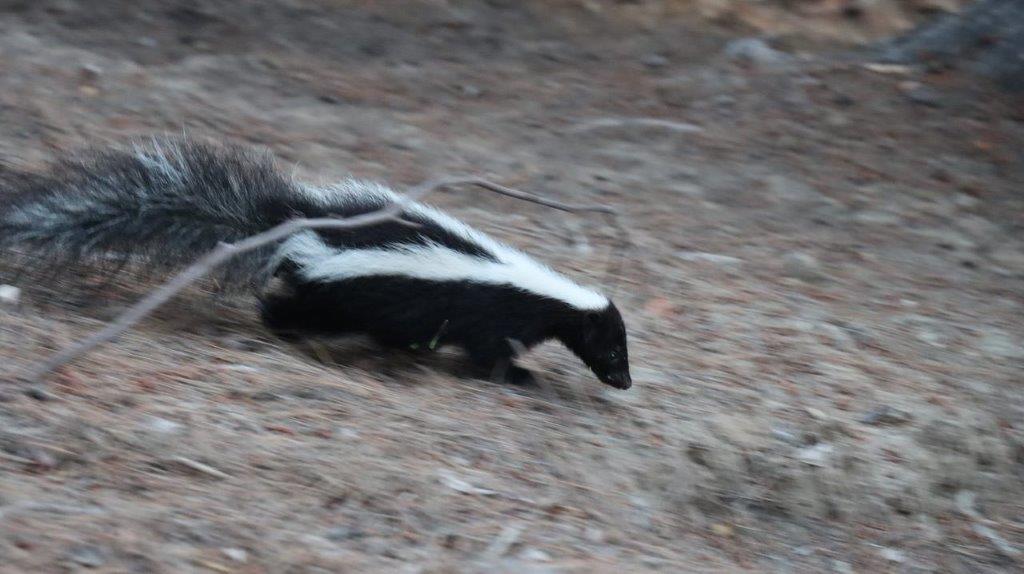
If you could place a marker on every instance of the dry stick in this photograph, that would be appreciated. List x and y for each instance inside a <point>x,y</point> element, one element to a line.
<point>226,251</point>
<point>220,255</point>
<point>657,123</point>
<point>508,191</point>
<point>618,257</point>
<point>618,254</point>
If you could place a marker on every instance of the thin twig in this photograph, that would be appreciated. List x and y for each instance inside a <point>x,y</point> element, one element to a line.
<point>224,252</point>
<point>658,123</point>
<point>201,467</point>
<point>522,195</point>
<point>220,255</point>
<point>619,250</point>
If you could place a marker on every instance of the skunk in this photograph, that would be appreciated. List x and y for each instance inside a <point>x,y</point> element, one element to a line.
<point>423,285</point>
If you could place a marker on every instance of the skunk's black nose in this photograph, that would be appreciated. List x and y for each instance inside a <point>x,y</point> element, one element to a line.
<point>619,380</point>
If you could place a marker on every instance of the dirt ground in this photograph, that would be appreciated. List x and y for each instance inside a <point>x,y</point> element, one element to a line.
<point>823,289</point>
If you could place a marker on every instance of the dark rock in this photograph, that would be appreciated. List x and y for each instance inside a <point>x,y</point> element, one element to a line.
<point>843,100</point>
<point>886,415</point>
<point>986,37</point>
<point>39,394</point>
<point>924,96</point>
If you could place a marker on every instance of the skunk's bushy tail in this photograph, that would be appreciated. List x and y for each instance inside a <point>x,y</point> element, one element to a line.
<point>164,202</point>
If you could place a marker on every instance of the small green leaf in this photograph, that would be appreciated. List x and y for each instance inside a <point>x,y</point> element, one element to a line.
<point>437,336</point>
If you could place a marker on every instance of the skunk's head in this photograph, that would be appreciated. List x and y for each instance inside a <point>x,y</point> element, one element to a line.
<point>601,343</point>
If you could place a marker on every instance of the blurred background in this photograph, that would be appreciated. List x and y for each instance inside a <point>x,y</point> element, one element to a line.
<point>822,286</point>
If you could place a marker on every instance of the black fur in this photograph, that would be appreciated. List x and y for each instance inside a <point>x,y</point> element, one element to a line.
<point>483,319</point>
<point>172,201</point>
<point>394,233</point>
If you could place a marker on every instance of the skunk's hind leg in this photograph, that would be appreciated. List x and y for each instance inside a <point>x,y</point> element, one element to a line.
<point>278,314</point>
<point>293,317</point>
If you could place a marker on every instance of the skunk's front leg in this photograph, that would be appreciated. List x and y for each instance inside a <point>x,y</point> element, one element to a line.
<point>495,361</point>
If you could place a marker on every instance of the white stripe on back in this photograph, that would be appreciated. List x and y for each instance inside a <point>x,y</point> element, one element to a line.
<point>321,262</point>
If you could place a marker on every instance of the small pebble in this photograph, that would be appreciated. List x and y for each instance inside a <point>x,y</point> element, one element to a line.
<point>841,567</point>
<point>87,556</point>
<point>785,435</point>
<point>90,72</point>
<point>892,555</point>
<point>9,295</point>
<point>471,91</point>
<point>654,61</point>
<point>837,120</point>
<point>1000,344</point>
<point>816,455</point>
<point>236,554</point>
<point>802,266</point>
<point>535,555</point>
<point>594,535</point>
<point>342,533</point>
<point>804,550</point>
<point>237,343</point>
<point>723,530</point>
<point>1009,257</point>
<point>754,51</point>
<point>921,94</point>
<point>161,425</point>
<point>816,414</point>
<point>346,432</point>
